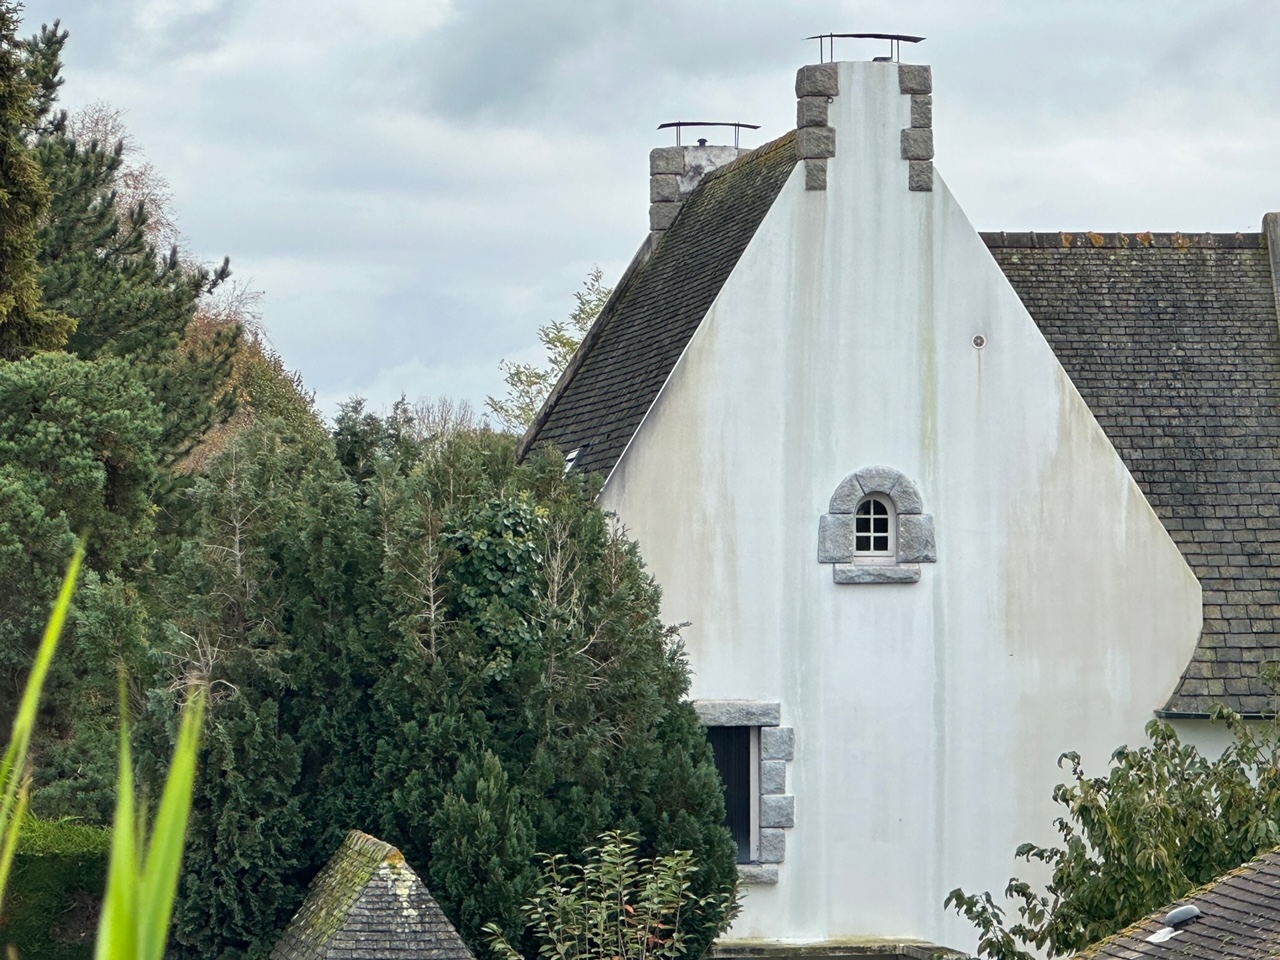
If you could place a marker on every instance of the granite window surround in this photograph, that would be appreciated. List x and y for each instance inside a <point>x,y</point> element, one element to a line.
<point>914,542</point>
<point>777,747</point>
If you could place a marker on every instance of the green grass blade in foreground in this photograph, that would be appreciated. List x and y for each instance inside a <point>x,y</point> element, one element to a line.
<point>9,846</point>
<point>12,788</point>
<point>117,936</point>
<point>142,880</point>
<point>164,852</point>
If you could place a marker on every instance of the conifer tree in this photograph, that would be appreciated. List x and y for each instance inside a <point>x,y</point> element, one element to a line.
<point>463,655</point>
<point>27,324</point>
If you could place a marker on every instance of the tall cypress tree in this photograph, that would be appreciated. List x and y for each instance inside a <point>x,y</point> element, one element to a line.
<point>458,654</point>
<point>27,324</point>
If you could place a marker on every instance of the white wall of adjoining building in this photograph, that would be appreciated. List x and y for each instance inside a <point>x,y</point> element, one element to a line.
<point>928,717</point>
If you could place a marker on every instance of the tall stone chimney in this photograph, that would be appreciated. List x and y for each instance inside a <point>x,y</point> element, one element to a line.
<point>675,172</point>
<point>817,86</point>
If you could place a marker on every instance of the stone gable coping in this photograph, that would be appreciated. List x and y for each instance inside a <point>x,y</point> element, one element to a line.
<point>916,81</point>
<point>816,86</point>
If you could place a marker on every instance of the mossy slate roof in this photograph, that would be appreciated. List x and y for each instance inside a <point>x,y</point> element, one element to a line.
<point>634,344</point>
<point>1239,920</point>
<point>1172,340</point>
<point>368,904</point>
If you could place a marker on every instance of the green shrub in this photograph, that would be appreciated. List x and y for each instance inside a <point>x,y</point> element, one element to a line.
<point>55,891</point>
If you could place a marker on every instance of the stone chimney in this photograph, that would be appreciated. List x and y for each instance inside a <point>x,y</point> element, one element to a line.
<point>817,86</point>
<point>675,172</point>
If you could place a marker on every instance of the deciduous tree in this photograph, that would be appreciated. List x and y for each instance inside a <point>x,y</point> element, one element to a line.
<point>1163,820</point>
<point>529,385</point>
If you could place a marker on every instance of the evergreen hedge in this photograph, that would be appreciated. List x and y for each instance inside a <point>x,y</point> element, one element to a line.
<point>59,873</point>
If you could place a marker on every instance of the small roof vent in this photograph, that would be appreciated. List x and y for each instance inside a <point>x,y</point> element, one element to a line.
<point>1174,919</point>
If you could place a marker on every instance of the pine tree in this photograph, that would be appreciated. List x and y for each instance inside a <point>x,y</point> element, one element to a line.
<point>127,301</point>
<point>27,324</point>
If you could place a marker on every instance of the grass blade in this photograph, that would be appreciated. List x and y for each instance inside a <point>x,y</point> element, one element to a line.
<point>13,782</point>
<point>142,880</point>
<point>9,847</point>
<point>168,836</point>
<point>117,936</point>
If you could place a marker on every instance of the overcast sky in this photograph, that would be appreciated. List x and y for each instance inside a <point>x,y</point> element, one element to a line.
<point>416,185</point>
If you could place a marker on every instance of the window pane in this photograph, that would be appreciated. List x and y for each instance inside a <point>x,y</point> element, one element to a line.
<point>864,508</point>
<point>880,525</point>
<point>863,543</point>
<point>732,749</point>
<point>878,508</point>
<point>882,544</point>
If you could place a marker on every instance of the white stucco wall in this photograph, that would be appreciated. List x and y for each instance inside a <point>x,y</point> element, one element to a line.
<point>1059,614</point>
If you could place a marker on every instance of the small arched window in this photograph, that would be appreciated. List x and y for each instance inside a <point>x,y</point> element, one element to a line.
<point>873,528</point>
<point>876,530</point>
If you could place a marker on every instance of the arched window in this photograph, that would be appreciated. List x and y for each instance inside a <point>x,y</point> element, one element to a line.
<point>873,528</point>
<point>876,530</point>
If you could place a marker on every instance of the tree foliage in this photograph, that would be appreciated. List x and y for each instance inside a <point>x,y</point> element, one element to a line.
<point>119,358</point>
<point>529,385</point>
<point>1164,820</point>
<point>412,635</point>
<point>27,322</point>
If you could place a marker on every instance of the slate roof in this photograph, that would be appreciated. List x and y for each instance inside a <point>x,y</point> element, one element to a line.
<point>635,342</point>
<point>368,903</point>
<point>1239,919</point>
<point>1171,339</point>
<point>1173,342</point>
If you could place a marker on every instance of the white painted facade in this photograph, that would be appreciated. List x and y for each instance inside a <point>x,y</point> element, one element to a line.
<point>928,717</point>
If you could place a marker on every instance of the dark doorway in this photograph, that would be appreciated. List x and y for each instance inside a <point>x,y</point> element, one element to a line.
<point>732,748</point>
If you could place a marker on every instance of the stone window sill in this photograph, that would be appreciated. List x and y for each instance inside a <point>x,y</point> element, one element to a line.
<point>757,873</point>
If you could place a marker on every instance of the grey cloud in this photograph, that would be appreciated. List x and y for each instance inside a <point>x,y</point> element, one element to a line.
<point>415,200</point>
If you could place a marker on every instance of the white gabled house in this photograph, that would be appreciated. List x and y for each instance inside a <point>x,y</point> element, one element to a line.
<point>938,505</point>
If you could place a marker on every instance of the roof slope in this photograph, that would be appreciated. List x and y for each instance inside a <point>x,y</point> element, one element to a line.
<point>1239,918</point>
<point>635,342</point>
<point>1173,342</point>
<point>367,902</point>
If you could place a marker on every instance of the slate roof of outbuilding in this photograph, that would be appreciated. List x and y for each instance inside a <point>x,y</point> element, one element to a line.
<point>367,902</point>
<point>635,342</point>
<point>1239,919</point>
<point>1173,342</point>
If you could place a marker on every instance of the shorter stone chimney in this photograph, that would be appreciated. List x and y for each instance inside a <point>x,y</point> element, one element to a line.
<point>675,172</point>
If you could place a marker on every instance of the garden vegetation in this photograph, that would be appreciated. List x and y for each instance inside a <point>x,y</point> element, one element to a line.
<point>399,628</point>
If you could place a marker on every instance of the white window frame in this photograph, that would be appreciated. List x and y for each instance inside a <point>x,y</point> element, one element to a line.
<point>889,555</point>
<point>754,787</point>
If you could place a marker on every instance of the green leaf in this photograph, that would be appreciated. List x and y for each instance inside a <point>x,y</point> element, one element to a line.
<point>13,781</point>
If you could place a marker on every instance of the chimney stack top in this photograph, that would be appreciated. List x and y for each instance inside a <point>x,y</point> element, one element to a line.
<point>681,124</point>
<point>827,44</point>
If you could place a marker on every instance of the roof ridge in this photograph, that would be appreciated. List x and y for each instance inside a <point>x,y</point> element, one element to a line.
<point>1119,240</point>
